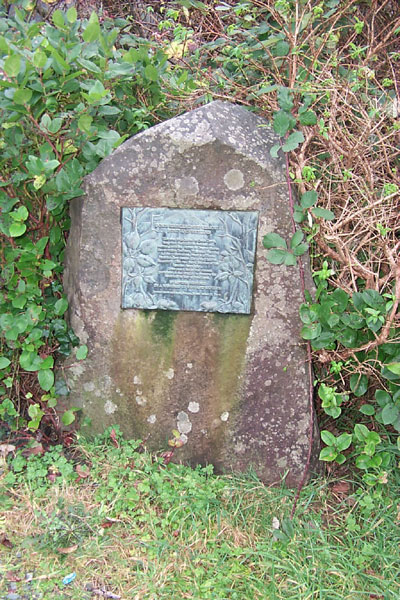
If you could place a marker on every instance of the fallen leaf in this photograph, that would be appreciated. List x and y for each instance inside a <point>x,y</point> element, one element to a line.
<point>341,487</point>
<point>68,550</point>
<point>5,541</point>
<point>106,524</point>
<point>166,456</point>
<point>5,449</point>
<point>33,450</point>
<point>113,437</point>
<point>83,471</point>
<point>12,576</point>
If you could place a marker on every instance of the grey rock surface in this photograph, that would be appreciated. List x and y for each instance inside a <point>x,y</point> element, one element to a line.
<point>234,386</point>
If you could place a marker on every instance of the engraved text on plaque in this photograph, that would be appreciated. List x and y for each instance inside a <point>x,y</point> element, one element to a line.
<point>184,259</point>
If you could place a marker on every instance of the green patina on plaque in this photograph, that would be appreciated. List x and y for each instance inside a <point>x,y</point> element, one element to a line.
<point>184,259</point>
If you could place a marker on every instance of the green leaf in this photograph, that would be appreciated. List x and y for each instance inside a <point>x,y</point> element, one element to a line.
<point>276,256</point>
<point>17,229</point>
<point>39,59</point>
<point>327,454</point>
<point>30,361</point>
<point>12,65</point>
<point>308,118</point>
<point>4,362</point>
<point>358,384</point>
<point>308,199</point>
<point>151,73</point>
<point>311,331</point>
<point>58,19</point>
<point>300,249</point>
<point>273,240</point>
<point>285,100</point>
<point>343,441</point>
<point>72,14</point>
<point>84,123</point>
<point>296,239</point>
<point>46,379</point>
<point>68,417</point>
<point>274,150</point>
<point>390,414</point>
<point>61,306</point>
<point>283,122</point>
<point>92,31</point>
<point>81,352</point>
<point>361,432</point>
<point>323,213</point>
<point>281,49</point>
<point>290,260</point>
<point>367,409</point>
<point>394,368</point>
<point>293,141</point>
<point>22,96</point>
<point>328,438</point>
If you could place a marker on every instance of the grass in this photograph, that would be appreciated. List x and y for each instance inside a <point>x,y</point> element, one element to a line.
<point>132,527</point>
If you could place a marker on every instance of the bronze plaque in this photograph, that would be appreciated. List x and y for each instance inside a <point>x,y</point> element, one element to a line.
<point>184,259</point>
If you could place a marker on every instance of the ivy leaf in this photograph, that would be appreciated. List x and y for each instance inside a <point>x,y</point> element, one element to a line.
<point>46,379</point>
<point>283,122</point>
<point>312,331</point>
<point>81,352</point>
<point>293,141</point>
<point>273,240</point>
<point>282,48</point>
<point>323,213</point>
<point>394,368</point>
<point>61,306</point>
<point>390,414</point>
<point>358,384</point>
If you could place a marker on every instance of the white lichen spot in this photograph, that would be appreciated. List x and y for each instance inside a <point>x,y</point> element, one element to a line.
<point>170,374</point>
<point>194,407</point>
<point>240,448</point>
<point>88,386</point>
<point>137,380</point>
<point>152,419</point>
<point>183,438</point>
<point>234,179</point>
<point>183,423</point>
<point>224,416</point>
<point>189,365</point>
<point>141,400</point>
<point>188,186</point>
<point>110,407</point>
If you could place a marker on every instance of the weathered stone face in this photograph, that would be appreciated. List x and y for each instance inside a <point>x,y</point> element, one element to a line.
<point>234,386</point>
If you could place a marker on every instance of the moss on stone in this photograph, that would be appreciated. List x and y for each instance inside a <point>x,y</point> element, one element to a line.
<point>162,324</point>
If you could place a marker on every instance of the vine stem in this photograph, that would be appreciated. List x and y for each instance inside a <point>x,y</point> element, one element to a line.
<point>308,346</point>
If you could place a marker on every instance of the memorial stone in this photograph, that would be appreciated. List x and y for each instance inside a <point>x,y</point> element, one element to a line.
<point>192,334</point>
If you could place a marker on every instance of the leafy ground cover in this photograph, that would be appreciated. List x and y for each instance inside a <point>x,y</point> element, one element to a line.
<point>73,87</point>
<point>113,521</point>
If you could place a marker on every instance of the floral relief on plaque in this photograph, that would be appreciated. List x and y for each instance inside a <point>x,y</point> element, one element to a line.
<point>187,259</point>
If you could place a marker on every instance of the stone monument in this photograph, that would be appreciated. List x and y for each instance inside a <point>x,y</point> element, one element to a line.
<point>192,334</point>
